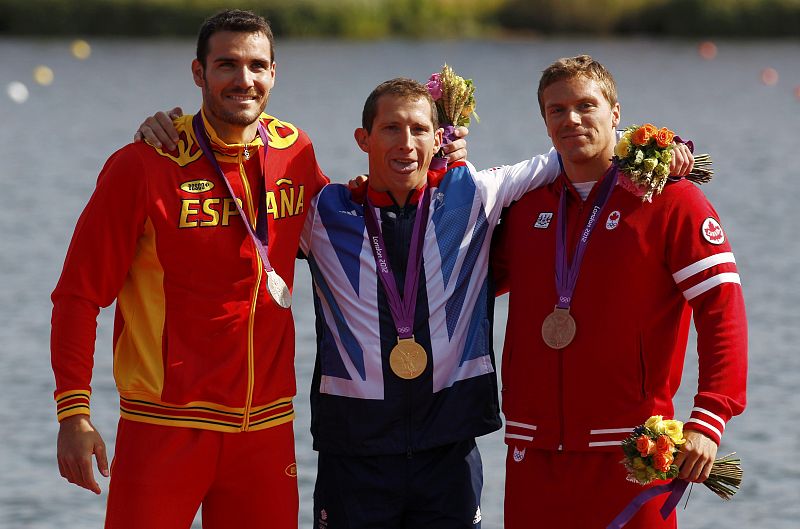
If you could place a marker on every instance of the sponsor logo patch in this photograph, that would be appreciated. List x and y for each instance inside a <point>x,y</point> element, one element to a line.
<point>712,231</point>
<point>613,220</point>
<point>543,221</point>
<point>197,186</point>
<point>519,455</point>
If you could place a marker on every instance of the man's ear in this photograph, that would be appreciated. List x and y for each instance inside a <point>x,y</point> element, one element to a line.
<point>615,115</point>
<point>197,73</point>
<point>362,139</point>
<point>437,139</point>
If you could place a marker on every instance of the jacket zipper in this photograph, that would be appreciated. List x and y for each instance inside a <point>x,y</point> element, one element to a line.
<point>570,251</point>
<point>254,300</point>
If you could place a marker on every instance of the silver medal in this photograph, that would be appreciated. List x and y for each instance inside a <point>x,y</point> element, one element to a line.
<point>278,290</point>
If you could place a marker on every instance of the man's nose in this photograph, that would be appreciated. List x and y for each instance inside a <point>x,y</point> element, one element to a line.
<point>244,77</point>
<point>406,138</point>
<point>573,116</point>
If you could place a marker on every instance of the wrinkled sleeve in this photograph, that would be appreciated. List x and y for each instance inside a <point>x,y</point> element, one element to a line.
<point>704,269</point>
<point>100,253</point>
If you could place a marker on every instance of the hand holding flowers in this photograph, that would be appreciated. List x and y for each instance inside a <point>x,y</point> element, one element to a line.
<point>644,155</point>
<point>651,451</point>
<point>455,104</point>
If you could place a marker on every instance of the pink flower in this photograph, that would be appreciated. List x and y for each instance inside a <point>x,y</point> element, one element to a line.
<point>434,86</point>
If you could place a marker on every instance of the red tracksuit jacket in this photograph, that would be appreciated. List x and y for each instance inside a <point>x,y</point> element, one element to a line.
<point>198,342</point>
<point>646,268</point>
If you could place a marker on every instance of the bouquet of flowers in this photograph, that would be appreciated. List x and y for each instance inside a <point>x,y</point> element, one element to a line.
<point>455,103</point>
<point>644,153</point>
<point>651,449</point>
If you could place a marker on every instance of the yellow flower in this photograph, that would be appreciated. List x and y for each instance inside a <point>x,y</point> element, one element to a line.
<point>674,429</point>
<point>623,148</point>
<point>656,423</point>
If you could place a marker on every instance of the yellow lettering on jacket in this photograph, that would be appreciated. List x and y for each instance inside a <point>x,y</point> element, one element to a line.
<point>229,209</point>
<point>212,213</point>
<point>285,202</point>
<point>188,209</point>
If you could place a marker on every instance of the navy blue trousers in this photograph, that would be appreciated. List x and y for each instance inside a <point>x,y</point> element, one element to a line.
<point>435,489</point>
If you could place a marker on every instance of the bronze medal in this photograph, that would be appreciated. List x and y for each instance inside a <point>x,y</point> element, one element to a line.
<point>278,290</point>
<point>408,359</point>
<point>558,328</point>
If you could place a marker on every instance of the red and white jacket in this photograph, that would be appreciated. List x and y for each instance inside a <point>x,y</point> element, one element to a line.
<point>647,267</point>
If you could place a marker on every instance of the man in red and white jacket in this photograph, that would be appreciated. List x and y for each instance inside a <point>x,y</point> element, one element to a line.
<point>646,268</point>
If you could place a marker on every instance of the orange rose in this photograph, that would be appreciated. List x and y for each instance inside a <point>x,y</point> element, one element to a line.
<point>664,444</point>
<point>664,137</point>
<point>662,461</point>
<point>645,445</point>
<point>641,136</point>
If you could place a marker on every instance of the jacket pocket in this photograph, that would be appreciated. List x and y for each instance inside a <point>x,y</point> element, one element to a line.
<point>645,392</point>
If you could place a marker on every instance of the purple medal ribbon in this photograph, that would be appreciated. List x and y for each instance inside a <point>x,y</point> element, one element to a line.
<point>676,488</point>
<point>567,276</point>
<point>402,310</point>
<point>439,163</point>
<point>260,240</point>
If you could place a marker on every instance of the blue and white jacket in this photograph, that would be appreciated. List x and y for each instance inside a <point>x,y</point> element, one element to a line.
<point>359,406</point>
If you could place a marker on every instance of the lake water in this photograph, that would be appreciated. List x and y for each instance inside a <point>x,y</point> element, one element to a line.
<point>53,146</point>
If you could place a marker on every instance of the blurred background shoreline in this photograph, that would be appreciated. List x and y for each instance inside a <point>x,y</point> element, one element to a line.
<point>377,19</point>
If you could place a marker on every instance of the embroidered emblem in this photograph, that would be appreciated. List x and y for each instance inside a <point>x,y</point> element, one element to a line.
<point>197,186</point>
<point>712,231</point>
<point>543,221</point>
<point>519,455</point>
<point>613,220</point>
<point>438,200</point>
<point>291,470</point>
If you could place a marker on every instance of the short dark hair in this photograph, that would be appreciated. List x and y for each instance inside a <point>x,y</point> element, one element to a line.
<point>580,66</point>
<point>398,87</point>
<point>235,20</point>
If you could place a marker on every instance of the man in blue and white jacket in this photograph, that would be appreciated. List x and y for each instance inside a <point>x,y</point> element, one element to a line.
<point>396,450</point>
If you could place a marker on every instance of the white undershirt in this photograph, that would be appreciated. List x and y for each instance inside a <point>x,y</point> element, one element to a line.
<point>583,188</point>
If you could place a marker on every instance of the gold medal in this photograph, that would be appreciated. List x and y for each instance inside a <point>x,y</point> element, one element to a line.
<point>278,290</point>
<point>408,358</point>
<point>558,328</point>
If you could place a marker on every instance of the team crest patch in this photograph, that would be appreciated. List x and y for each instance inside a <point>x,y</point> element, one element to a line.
<point>543,221</point>
<point>291,470</point>
<point>519,455</point>
<point>613,220</point>
<point>712,231</point>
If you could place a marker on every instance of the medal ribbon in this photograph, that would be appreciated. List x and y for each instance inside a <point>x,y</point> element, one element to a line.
<point>261,238</point>
<point>402,310</point>
<point>567,275</point>
<point>676,488</point>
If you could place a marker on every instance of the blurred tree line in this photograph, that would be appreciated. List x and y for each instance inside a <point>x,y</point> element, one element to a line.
<point>366,19</point>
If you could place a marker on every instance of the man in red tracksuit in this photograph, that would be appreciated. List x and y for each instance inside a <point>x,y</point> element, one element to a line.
<point>203,355</point>
<point>645,268</point>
